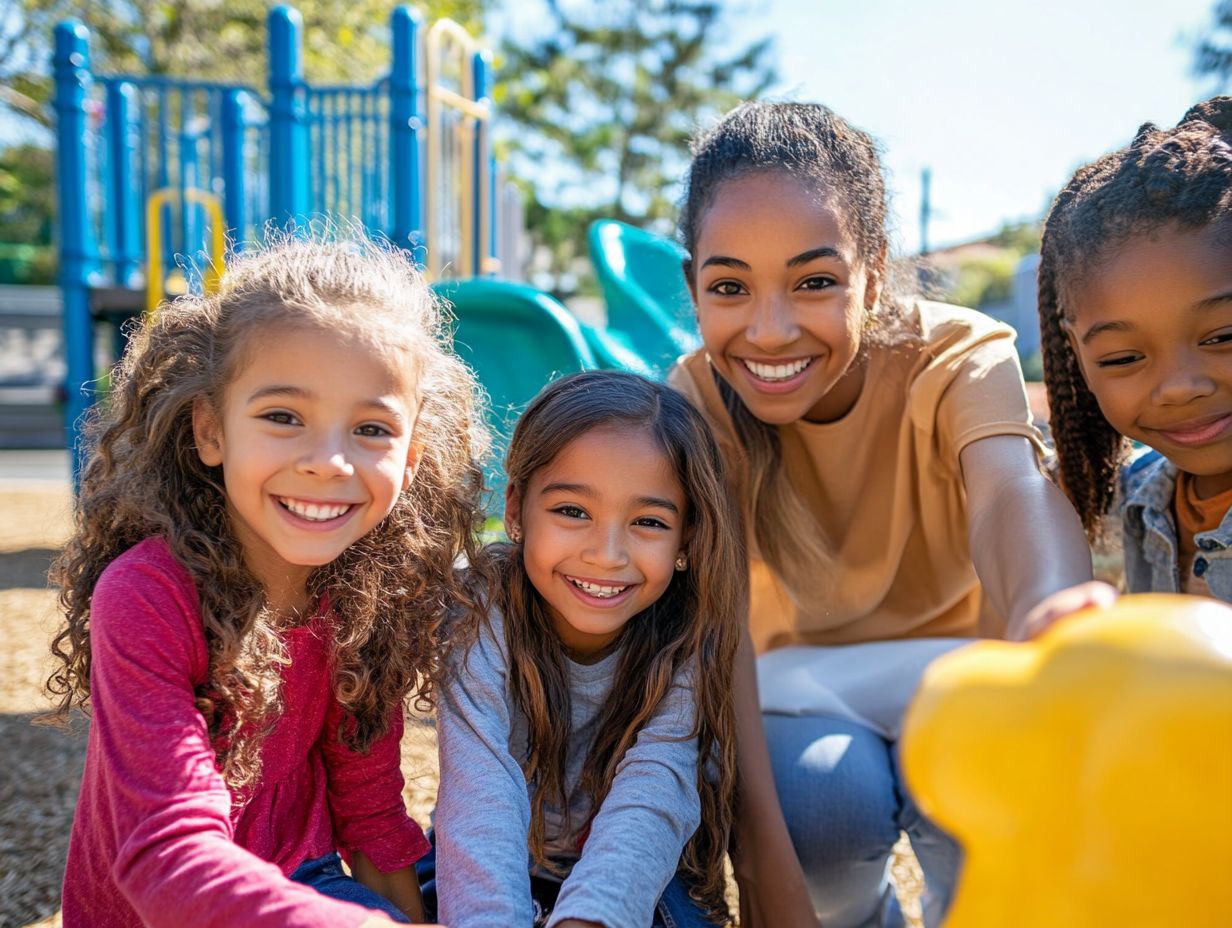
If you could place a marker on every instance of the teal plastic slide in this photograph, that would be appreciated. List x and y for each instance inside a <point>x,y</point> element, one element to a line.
<point>517,339</point>
<point>649,309</point>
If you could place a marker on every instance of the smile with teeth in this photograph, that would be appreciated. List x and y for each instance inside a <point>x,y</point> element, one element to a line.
<point>314,512</point>
<point>776,372</point>
<point>598,590</point>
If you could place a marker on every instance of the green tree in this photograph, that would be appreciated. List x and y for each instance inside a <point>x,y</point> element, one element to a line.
<point>608,96</point>
<point>198,38</point>
<point>1021,238</point>
<point>27,202</point>
<point>1213,48</point>
<point>26,195</point>
<point>222,41</point>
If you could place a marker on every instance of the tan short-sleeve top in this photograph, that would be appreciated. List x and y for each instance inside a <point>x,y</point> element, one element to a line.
<point>885,485</point>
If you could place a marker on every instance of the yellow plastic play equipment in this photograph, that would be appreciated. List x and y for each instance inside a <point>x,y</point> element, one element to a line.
<point>157,286</point>
<point>459,182</point>
<point>1087,773</point>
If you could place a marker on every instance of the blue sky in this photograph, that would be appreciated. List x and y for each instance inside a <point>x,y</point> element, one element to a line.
<point>1001,101</point>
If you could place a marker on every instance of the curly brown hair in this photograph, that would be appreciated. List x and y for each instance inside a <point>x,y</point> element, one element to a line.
<point>144,478</point>
<point>693,628</point>
<point>1165,179</point>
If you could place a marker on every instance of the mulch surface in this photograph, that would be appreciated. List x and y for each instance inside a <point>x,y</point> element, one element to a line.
<point>41,769</point>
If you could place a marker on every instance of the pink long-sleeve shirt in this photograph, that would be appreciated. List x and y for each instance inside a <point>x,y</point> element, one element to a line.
<point>157,839</point>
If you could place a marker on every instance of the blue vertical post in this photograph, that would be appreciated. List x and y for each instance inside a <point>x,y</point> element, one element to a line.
<point>288,157</point>
<point>77,246</point>
<point>404,119</point>
<point>232,118</point>
<point>126,205</point>
<point>190,179</point>
<point>481,63</point>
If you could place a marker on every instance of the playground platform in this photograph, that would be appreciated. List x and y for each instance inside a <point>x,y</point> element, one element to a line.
<point>33,469</point>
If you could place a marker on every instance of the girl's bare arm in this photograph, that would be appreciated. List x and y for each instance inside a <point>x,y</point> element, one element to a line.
<point>401,887</point>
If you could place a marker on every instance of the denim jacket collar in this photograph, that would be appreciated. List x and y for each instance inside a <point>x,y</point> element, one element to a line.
<point>1148,487</point>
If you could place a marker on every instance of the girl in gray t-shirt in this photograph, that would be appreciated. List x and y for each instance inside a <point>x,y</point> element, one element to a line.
<point>586,729</point>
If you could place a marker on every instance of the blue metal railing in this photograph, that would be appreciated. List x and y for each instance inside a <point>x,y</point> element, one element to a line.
<point>353,153</point>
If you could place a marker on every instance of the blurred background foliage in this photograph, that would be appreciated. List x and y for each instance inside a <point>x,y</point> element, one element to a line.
<point>206,39</point>
<point>609,95</point>
<point>597,103</point>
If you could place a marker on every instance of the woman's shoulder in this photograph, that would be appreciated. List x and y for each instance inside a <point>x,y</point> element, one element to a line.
<point>945,325</point>
<point>945,340</point>
<point>692,376</point>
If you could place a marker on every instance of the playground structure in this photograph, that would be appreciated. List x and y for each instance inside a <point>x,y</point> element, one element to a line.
<point>150,168</point>
<point>648,303</point>
<point>154,174</point>
<point>1085,773</point>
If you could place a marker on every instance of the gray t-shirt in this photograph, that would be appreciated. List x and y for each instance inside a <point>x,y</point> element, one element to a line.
<point>617,869</point>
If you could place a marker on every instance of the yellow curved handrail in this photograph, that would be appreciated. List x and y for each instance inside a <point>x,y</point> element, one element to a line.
<point>155,286</point>
<point>445,37</point>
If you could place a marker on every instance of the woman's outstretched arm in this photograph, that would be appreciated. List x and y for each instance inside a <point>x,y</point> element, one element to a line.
<point>1026,540</point>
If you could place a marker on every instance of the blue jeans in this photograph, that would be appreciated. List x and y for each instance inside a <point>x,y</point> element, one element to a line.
<point>844,802</point>
<point>326,876</point>
<point>675,908</point>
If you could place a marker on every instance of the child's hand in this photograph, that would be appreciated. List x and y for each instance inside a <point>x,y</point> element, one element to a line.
<point>578,923</point>
<point>1061,604</point>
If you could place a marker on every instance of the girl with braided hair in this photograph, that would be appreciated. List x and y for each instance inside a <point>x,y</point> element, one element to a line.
<point>883,455</point>
<point>1135,303</point>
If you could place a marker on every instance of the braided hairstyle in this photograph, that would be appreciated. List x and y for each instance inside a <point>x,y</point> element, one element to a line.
<point>1179,178</point>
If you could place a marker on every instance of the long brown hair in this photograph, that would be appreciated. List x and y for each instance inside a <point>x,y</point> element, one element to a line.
<point>692,630</point>
<point>1179,178</point>
<point>813,144</point>
<point>144,478</point>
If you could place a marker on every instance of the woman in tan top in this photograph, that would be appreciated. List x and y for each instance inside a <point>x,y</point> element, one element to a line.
<point>889,475</point>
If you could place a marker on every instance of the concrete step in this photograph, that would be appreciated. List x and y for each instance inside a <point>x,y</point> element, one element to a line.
<point>31,364</point>
<point>31,428</point>
<point>30,417</point>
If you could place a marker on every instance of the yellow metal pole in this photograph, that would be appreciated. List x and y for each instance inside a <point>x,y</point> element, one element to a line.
<point>155,286</point>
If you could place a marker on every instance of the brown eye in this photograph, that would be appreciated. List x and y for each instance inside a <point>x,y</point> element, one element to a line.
<point>817,283</point>
<point>1119,362</point>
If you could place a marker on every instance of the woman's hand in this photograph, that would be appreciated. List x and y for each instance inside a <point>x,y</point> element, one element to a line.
<point>1062,603</point>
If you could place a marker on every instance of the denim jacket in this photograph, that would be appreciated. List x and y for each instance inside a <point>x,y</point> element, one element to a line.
<point>1148,487</point>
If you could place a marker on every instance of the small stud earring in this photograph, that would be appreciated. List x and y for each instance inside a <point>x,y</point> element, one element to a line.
<point>515,534</point>
<point>682,561</point>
